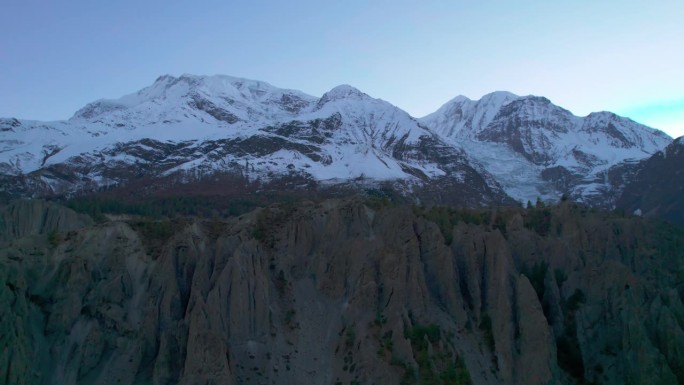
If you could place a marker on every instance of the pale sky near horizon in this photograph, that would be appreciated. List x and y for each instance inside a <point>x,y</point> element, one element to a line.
<point>622,56</point>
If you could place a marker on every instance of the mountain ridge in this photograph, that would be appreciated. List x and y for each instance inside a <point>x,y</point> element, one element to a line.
<point>556,150</point>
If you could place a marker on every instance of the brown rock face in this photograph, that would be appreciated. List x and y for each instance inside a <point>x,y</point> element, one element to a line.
<point>340,292</point>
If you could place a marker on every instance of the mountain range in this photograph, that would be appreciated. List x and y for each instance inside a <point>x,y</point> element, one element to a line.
<point>497,150</point>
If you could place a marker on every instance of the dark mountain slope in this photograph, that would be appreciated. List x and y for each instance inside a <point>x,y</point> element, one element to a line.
<point>657,188</point>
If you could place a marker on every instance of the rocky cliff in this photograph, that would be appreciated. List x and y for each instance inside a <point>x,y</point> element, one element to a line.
<point>341,292</point>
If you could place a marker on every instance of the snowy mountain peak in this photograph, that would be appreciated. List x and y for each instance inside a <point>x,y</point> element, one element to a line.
<point>343,91</point>
<point>535,99</point>
<point>540,109</point>
<point>529,137</point>
<point>493,100</point>
<point>603,119</point>
<point>461,117</point>
<point>218,86</point>
<point>189,97</point>
<point>164,78</point>
<point>602,115</point>
<point>624,132</point>
<point>460,99</point>
<point>498,97</point>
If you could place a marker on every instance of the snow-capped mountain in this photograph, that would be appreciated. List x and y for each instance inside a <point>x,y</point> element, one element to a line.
<point>462,118</point>
<point>187,108</point>
<point>216,100</point>
<point>467,151</point>
<point>535,148</point>
<point>209,124</point>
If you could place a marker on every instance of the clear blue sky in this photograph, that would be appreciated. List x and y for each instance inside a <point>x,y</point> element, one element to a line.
<point>622,56</point>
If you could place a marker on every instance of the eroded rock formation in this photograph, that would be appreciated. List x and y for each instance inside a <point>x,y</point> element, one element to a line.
<point>340,292</point>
